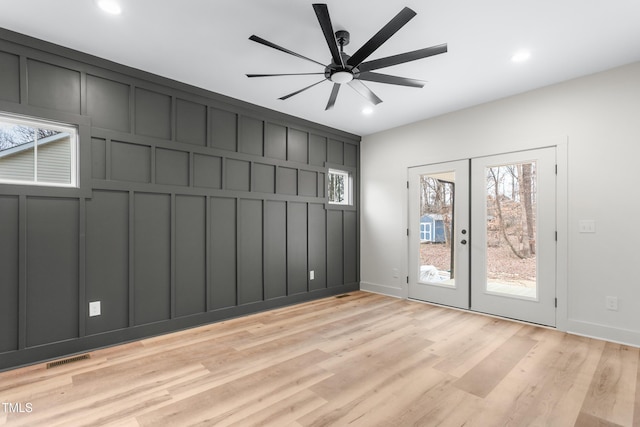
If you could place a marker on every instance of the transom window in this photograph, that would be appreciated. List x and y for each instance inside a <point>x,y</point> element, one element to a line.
<point>339,191</point>
<point>37,152</point>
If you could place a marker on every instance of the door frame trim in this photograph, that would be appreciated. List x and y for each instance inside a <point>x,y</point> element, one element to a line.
<point>562,214</point>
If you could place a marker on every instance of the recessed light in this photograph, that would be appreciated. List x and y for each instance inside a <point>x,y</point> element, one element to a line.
<point>110,6</point>
<point>521,56</point>
<point>367,110</point>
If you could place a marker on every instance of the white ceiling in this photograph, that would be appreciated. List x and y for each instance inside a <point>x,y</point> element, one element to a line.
<point>206,43</point>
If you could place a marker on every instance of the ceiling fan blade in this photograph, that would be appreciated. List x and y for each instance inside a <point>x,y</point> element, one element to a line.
<point>404,16</point>
<point>392,80</point>
<point>282,49</point>
<point>365,91</point>
<point>277,75</point>
<point>333,97</point>
<point>322,12</point>
<point>402,58</point>
<point>301,90</point>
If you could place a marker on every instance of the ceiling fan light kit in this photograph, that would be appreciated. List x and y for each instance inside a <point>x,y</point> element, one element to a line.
<point>341,77</point>
<point>352,70</point>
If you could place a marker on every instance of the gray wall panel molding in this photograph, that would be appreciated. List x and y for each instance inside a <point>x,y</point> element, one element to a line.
<point>9,77</point>
<point>107,239</point>
<point>322,186</point>
<point>275,141</point>
<point>317,245</point>
<point>52,257</point>
<point>29,356</point>
<point>251,136</point>
<point>317,150</point>
<point>191,122</point>
<point>223,259</point>
<point>192,207</point>
<point>152,257</point>
<point>350,230</point>
<point>82,268</point>
<point>53,87</point>
<point>45,113</point>
<point>237,175</point>
<point>131,162</point>
<point>335,152</point>
<point>153,113</point>
<point>350,155</point>
<point>9,289</point>
<point>22,272</point>
<point>224,127</point>
<point>211,151</point>
<point>297,268</point>
<point>307,183</point>
<point>250,251</point>
<point>108,103</point>
<point>335,248</point>
<point>172,167</point>
<point>275,249</point>
<point>190,255</point>
<point>206,171</point>
<point>13,42</point>
<point>98,158</point>
<point>297,146</point>
<point>287,181</point>
<point>264,178</point>
<point>198,191</point>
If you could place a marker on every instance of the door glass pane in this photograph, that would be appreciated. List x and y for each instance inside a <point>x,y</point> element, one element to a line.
<point>437,201</point>
<point>511,229</point>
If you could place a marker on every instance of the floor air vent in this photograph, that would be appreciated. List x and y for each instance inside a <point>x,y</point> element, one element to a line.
<point>343,295</point>
<point>67,361</point>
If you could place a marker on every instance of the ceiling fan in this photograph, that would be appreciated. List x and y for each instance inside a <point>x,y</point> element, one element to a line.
<point>352,70</point>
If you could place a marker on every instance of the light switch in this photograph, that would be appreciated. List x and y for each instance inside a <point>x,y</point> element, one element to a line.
<point>312,275</point>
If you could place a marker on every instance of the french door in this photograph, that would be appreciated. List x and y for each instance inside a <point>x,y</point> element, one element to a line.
<point>482,234</point>
<point>439,233</point>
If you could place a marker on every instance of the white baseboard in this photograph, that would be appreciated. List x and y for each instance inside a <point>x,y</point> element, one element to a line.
<point>382,289</point>
<point>603,332</point>
<point>575,327</point>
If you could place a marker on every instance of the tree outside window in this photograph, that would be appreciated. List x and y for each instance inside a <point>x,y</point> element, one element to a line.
<point>339,188</point>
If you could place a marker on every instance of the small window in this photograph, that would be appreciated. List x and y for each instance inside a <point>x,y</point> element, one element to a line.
<point>37,152</point>
<point>340,186</point>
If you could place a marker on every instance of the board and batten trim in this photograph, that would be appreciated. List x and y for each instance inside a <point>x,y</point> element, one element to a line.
<point>150,148</point>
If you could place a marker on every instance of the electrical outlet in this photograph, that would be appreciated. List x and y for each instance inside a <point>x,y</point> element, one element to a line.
<point>94,308</point>
<point>587,226</point>
<point>612,303</point>
<point>312,275</point>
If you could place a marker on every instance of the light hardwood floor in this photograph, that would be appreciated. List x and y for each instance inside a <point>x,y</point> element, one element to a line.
<point>361,360</point>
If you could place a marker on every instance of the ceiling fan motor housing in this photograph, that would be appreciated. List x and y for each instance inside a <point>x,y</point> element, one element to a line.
<point>338,73</point>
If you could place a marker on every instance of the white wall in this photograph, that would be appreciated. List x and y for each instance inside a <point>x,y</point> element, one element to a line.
<point>599,116</point>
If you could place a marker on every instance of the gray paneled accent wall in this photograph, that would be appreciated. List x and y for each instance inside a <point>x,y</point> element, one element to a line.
<point>192,208</point>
